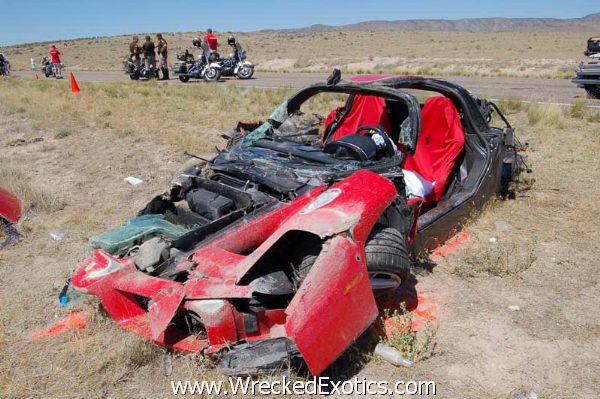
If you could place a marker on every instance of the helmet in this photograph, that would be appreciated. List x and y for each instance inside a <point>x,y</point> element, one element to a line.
<point>196,42</point>
<point>231,40</point>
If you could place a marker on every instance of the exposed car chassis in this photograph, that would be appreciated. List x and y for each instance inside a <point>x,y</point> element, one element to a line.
<point>279,264</point>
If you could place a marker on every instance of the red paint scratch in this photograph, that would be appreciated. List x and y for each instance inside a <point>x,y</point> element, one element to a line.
<point>450,245</point>
<point>75,320</point>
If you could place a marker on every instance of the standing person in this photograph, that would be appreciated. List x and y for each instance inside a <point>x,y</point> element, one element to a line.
<point>32,61</point>
<point>55,60</point>
<point>135,50</point>
<point>149,54</point>
<point>211,40</point>
<point>163,52</point>
<point>3,65</point>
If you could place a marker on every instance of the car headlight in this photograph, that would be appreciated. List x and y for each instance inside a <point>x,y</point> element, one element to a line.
<point>322,200</point>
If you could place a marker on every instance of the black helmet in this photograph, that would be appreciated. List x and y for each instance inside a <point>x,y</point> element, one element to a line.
<point>196,42</point>
<point>231,40</point>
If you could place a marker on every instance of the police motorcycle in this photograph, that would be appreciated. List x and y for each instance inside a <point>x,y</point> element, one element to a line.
<point>129,69</point>
<point>237,64</point>
<point>205,67</point>
<point>47,69</point>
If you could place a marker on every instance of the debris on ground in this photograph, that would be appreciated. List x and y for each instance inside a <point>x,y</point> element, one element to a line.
<point>74,321</point>
<point>134,181</point>
<point>58,235</point>
<point>526,395</point>
<point>392,355</point>
<point>168,364</point>
<point>514,308</point>
<point>493,239</point>
<point>10,213</point>
<point>8,234</point>
<point>69,297</point>
<point>501,225</point>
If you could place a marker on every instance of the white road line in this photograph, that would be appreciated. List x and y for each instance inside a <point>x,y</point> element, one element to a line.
<point>547,102</point>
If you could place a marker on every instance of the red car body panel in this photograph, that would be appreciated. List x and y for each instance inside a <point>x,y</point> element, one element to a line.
<point>331,308</point>
<point>10,206</point>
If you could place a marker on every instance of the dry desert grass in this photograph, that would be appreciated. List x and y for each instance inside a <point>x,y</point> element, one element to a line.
<point>90,142</point>
<point>524,54</point>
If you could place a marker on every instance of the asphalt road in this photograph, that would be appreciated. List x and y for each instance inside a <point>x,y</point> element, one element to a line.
<point>558,91</point>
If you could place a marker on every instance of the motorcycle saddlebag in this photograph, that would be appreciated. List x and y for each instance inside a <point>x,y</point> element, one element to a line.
<point>179,67</point>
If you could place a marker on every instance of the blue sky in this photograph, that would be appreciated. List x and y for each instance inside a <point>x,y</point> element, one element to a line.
<point>34,20</point>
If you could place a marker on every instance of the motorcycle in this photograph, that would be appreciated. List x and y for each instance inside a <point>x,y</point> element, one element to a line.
<point>237,65</point>
<point>205,67</point>
<point>47,69</point>
<point>129,69</point>
<point>4,65</point>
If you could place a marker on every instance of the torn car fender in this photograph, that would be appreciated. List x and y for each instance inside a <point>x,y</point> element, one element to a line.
<point>333,306</point>
<point>335,302</point>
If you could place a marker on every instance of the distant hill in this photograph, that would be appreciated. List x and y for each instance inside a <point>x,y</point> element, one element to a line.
<point>588,23</point>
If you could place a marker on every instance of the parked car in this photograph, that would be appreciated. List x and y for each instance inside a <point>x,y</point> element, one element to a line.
<point>277,249</point>
<point>588,71</point>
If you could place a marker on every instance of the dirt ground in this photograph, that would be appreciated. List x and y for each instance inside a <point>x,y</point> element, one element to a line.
<point>516,54</point>
<point>543,259</point>
<point>527,89</point>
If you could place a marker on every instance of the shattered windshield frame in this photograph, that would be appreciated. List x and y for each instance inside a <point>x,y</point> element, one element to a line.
<point>409,129</point>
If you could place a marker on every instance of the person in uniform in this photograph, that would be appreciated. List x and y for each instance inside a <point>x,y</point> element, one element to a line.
<point>135,50</point>
<point>149,53</point>
<point>163,52</point>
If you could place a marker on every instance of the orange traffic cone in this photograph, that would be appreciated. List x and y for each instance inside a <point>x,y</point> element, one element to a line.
<point>74,85</point>
<point>37,77</point>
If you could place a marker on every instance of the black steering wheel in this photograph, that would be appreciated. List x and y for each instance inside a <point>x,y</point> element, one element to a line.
<point>388,148</point>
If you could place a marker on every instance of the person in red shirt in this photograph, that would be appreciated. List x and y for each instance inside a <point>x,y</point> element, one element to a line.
<point>211,40</point>
<point>55,60</point>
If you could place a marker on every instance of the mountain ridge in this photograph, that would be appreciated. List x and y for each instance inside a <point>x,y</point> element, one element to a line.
<point>587,23</point>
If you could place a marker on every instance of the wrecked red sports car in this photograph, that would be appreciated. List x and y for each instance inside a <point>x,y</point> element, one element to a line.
<point>274,248</point>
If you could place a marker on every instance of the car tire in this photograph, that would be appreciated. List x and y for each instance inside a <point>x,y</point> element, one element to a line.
<point>593,90</point>
<point>303,264</point>
<point>388,259</point>
<point>184,78</point>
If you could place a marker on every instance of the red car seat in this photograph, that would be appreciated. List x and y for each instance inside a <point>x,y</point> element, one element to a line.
<point>364,111</point>
<point>440,143</point>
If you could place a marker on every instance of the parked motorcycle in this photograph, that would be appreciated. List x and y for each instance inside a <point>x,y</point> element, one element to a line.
<point>199,69</point>
<point>47,69</point>
<point>237,65</point>
<point>4,65</point>
<point>129,68</point>
<point>205,67</point>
